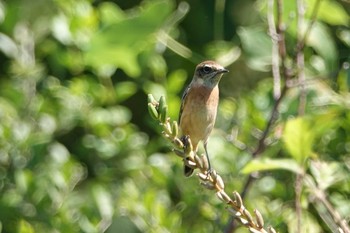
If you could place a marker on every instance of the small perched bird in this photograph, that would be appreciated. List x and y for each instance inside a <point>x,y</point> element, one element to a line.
<point>199,106</point>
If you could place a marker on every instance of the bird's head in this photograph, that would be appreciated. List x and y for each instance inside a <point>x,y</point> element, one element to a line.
<point>208,73</point>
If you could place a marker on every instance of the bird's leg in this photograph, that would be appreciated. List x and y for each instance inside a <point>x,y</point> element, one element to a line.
<point>187,170</point>
<point>207,155</point>
<point>184,140</point>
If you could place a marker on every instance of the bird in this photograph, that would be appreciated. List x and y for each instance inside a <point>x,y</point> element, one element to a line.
<point>199,105</point>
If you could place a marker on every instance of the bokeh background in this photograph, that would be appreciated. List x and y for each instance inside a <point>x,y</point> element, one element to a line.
<point>79,152</point>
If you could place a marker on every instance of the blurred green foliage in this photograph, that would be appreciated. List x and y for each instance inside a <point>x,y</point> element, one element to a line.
<point>79,152</point>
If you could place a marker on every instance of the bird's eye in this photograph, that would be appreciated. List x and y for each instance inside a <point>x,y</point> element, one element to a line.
<point>207,69</point>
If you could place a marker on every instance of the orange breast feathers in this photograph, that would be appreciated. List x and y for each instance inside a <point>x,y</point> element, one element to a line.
<point>199,113</point>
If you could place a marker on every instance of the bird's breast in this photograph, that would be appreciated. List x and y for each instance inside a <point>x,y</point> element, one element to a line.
<point>199,113</point>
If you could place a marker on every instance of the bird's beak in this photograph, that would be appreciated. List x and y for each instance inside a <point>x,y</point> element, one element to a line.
<point>223,70</point>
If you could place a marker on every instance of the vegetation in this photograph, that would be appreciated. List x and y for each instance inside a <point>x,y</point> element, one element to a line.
<point>80,153</point>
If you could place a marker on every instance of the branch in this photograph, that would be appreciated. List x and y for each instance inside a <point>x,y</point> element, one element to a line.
<point>300,56</point>
<point>275,56</point>
<point>281,41</point>
<point>321,197</point>
<point>286,72</point>
<point>261,147</point>
<point>302,102</point>
<point>301,43</point>
<point>210,180</point>
<point>280,68</point>
<point>287,75</point>
<point>278,56</point>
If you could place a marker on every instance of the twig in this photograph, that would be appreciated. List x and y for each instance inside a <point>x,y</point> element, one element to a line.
<point>274,113</point>
<point>281,40</point>
<point>210,180</point>
<point>261,144</point>
<point>287,75</point>
<point>275,57</point>
<point>319,193</point>
<point>260,148</point>
<point>164,37</point>
<point>321,197</point>
<point>302,103</point>
<point>301,40</point>
<point>300,57</point>
<point>301,43</point>
<point>298,186</point>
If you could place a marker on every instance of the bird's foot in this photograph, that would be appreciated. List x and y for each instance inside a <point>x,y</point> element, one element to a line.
<point>185,140</point>
<point>210,172</point>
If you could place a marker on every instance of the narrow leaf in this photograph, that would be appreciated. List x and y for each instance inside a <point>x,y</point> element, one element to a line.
<point>272,164</point>
<point>298,139</point>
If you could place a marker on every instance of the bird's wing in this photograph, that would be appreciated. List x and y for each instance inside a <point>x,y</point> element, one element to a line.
<point>183,102</point>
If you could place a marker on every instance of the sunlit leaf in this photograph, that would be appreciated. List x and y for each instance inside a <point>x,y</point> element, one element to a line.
<point>111,13</point>
<point>272,164</point>
<point>8,46</point>
<point>114,116</point>
<point>22,180</point>
<point>25,227</point>
<point>104,201</point>
<point>330,11</point>
<point>176,81</point>
<point>298,139</point>
<point>344,36</point>
<point>326,173</point>
<point>224,52</point>
<point>124,90</point>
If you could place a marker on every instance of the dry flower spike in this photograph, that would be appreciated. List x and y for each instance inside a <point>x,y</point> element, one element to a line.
<point>210,180</point>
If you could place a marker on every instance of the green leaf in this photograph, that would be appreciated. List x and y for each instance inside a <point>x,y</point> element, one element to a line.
<point>344,35</point>
<point>103,200</point>
<point>25,227</point>
<point>124,90</point>
<point>266,164</point>
<point>321,41</point>
<point>156,89</point>
<point>298,139</point>
<point>110,12</point>
<point>257,47</point>
<point>120,42</point>
<point>176,81</point>
<point>330,11</point>
<point>308,223</point>
<point>123,224</point>
<point>223,51</point>
<point>327,174</point>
